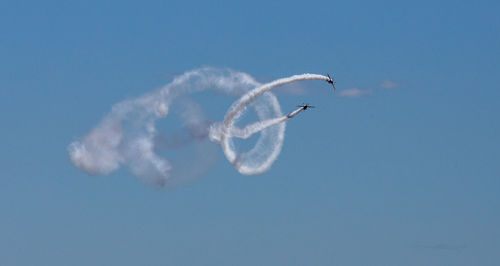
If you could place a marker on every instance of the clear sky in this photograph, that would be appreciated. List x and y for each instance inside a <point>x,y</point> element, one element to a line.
<point>407,175</point>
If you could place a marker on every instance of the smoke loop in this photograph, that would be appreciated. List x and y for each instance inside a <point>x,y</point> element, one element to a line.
<point>128,136</point>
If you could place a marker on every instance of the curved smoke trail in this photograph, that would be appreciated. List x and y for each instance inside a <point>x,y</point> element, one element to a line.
<point>127,136</point>
<point>249,130</point>
<point>247,163</point>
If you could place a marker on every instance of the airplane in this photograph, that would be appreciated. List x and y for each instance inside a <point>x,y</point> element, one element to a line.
<point>302,108</point>
<point>330,80</point>
<point>305,106</point>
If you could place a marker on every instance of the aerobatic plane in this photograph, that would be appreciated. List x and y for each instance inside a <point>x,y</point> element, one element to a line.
<point>302,108</point>
<point>331,81</point>
<point>305,106</point>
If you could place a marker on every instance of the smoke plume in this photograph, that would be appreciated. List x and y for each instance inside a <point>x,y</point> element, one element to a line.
<point>128,136</point>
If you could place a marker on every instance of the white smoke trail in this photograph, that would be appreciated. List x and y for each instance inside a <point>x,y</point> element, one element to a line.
<point>257,160</point>
<point>127,136</point>
<point>249,130</point>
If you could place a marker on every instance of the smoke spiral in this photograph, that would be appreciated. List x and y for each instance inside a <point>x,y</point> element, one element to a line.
<point>127,135</point>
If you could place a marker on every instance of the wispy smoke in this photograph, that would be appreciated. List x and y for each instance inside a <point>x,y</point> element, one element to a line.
<point>355,92</point>
<point>389,84</point>
<point>127,136</point>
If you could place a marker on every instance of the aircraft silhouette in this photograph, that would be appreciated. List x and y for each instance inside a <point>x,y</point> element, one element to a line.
<point>331,81</point>
<point>305,106</point>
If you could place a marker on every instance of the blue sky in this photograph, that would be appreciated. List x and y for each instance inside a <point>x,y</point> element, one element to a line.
<point>403,176</point>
